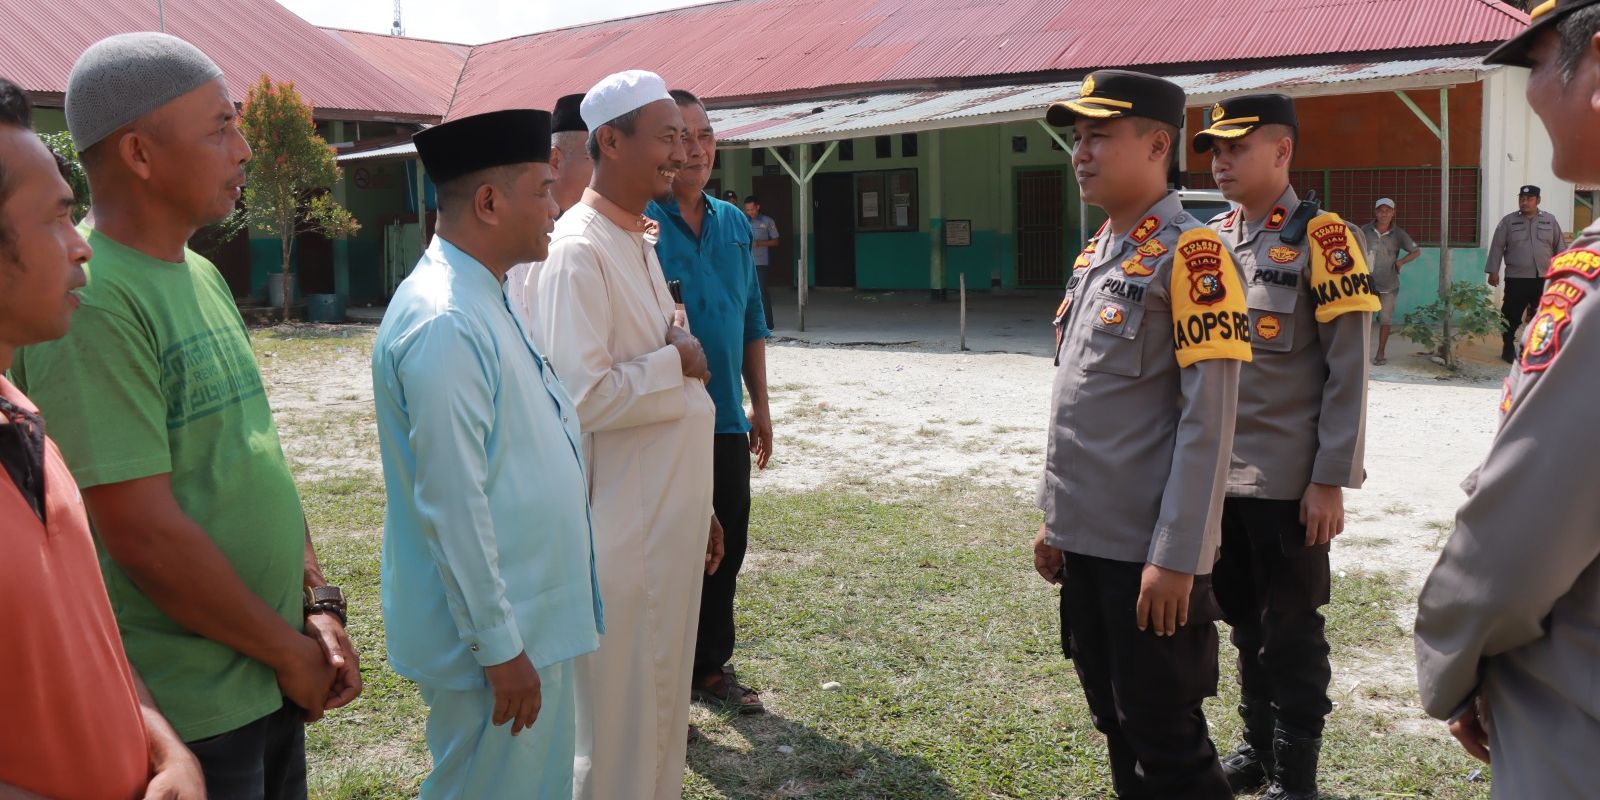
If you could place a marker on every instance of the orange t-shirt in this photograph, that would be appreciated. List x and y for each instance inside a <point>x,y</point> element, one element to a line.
<point>72,725</point>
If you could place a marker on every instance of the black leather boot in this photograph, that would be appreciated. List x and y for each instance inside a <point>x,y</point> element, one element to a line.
<point>1295,776</point>
<point>1250,766</point>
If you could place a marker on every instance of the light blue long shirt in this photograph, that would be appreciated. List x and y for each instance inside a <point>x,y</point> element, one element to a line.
<point>488,549</point>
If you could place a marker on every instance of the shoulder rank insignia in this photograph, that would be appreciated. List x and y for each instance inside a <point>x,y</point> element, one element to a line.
<point>1145,230</point>
<point>1581,263</point>
<point>1283,255</point>
<point>1549,326</point>
<point>1276,219</point>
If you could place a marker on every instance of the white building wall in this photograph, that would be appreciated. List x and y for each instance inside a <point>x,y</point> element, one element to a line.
<point>1516,152</point>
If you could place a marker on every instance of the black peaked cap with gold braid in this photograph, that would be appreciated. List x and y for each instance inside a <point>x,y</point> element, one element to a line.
<point>1544,16</point>
<point>1115,93</point>
<point>1238,116</point>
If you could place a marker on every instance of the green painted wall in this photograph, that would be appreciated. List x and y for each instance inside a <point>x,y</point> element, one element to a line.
<point>978,167</point>
<point>376,193</point>
<point>49,120</point>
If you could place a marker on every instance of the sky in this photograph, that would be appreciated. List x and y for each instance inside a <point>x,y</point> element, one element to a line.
<point>471,21</point>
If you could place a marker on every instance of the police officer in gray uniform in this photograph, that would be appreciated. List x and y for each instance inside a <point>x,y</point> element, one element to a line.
<point>1526,240</point>
<point>1150,338</point>
<point>1299,441</point>
<point>1508,624</point>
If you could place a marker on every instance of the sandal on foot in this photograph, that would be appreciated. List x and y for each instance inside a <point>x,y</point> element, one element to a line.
<point>726,692</point>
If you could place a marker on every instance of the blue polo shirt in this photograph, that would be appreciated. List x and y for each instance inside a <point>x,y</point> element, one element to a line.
<point>720,294</point>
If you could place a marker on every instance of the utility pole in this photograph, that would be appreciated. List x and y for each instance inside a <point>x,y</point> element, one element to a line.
<point>398,29</point>
<point>161,15</point>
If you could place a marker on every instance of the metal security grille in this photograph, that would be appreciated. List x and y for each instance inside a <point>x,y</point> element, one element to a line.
<point>1041,252</point>
<point>1415,191</point>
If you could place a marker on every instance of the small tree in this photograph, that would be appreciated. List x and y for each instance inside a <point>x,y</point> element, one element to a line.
<point>290,178</point>
<point>60,143</point>
<point>1472,314</point>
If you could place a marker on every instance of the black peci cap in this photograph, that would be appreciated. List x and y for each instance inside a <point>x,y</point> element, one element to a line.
<point>566,117</point>
<point>1114,93</point>
<point>1529,191</point>
<point>464,146</point>
<point>1238,116</point>
<point>1544,17</point>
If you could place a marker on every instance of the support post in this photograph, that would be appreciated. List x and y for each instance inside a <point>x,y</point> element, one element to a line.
<point>963,280</point>
<point>803,269</point>
<point>802,178</point>
<point>1083,215</point>
<point>341,245</point>
<point>936,276</point>
<point>1442,131</point>
<point>1445,278</point>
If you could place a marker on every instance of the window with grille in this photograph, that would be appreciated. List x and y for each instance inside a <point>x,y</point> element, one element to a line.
<point>1351,193</point>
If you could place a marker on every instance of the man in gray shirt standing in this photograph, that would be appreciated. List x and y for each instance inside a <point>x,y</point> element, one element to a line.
<point>763,237</point>
<point>1384,241</point>
<point>1525,240</point>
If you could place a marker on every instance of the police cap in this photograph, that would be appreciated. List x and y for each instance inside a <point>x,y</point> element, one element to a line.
<point>1114,93</point>
<point>1238,116</point>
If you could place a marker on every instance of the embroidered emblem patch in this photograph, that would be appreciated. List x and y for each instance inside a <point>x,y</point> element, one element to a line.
<point>1268,326</point>
<point>1334,239</point>
<point>1204,260</point>
<point>1111,315</point>
<point>1145,229</point>
<point>1283,255</point>
<point>1582,263</point>
<point>1276,219</point>
<point>1136,267</point>
<point>1549,327</point>
<point>1217,113</point>
<point>1152,249</point>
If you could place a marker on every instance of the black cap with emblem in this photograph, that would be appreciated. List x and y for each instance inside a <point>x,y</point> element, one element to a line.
<point>1529,191</point>
<point>1238,116</point>
<point>1544,17</point>
<point>1114,93</point>
<point>463,146</point>
<point>565,117</point>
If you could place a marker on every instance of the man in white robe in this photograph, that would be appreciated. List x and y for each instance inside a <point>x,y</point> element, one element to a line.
<point>601,310</point>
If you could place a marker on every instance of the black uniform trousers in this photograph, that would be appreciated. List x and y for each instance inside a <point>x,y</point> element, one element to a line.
<point>1144,691</point>
<point>1521,299</point>
<point>1270,586</point>
<point>730,499</point>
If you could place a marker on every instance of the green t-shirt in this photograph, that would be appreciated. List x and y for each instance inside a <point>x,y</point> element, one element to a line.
<point>157,376</point>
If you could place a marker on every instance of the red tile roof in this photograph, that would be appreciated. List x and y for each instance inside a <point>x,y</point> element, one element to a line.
<point>43,38</point>
<point>761,48</point>
<point>430,67</point>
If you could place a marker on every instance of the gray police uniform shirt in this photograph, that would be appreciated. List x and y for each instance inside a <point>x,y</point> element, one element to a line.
<point>1526,246</point>
<point>1303,399</point>
<point>1150,337</point>
<point>1512,608</point>
<point>1383,254</point>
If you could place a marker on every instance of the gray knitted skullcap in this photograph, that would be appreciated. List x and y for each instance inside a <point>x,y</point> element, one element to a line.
<point>122,78</point>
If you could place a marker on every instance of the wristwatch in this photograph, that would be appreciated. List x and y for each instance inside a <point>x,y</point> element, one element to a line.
<point>326,600</point>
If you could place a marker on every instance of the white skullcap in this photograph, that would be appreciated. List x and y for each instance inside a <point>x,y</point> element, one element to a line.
<point>1383,201</point>
<point>618,94</point>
